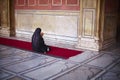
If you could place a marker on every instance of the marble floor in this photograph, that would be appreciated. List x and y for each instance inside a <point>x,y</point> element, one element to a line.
<point>17,64</point>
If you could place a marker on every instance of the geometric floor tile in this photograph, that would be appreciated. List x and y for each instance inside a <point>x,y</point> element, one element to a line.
<point>20,56</point>
<point>45,72</point>
<point>116,68</point>
<point>9,52</point>
<point>17,64</point>
<point>19,67</point>
<point>110,76</point>
<point>81,73</point>
<point>102,61</point>
<point>4,74</point>
<point>84,56</point>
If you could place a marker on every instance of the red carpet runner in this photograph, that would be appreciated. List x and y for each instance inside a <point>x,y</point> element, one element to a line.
<point>55,51</point>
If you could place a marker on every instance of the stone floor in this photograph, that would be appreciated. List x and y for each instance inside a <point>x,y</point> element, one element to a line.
<point>17,64</point>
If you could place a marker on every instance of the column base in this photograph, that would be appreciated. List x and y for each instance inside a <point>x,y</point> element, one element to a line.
<point>4,31</point>
<point>89,44</point>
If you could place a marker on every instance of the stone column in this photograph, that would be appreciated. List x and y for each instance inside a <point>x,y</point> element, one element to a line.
<point>4,12</point>
<point>0,14</point>
<point>12,17</point>
<point>7,18</point>
<point>89,25</point>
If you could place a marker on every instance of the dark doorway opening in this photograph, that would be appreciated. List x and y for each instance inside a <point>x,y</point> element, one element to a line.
<point>118,26</point>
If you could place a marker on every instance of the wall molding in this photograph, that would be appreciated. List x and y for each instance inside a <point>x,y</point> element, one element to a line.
<point>57,4</point>
<point>43,4</point>
<point>35,3</point>
<point>48,4</point>
<point>23,30</point>
<point>50,12</point>
<point>72,4</point>
<point>88,23</point>
<point>17,3</point>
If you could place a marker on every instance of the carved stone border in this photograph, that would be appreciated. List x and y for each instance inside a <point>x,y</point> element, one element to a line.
<point>20,4</point>
<point>54,4</point>
<point>78,2</point>
<point>88,22</point>
<point>43,4</point>
<point>32,4</point>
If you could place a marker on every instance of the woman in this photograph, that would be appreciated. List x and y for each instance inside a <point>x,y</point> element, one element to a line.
<point>38,43</point>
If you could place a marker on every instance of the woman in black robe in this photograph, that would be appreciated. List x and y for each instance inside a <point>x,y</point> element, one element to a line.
<point>38,44</point>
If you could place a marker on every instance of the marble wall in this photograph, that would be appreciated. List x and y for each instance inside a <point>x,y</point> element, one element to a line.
<point>56,25</point>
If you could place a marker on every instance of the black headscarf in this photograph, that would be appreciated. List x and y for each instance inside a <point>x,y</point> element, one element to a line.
<point>38,42</point>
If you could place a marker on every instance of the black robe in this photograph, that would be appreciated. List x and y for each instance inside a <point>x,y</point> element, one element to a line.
<point>38,44</point>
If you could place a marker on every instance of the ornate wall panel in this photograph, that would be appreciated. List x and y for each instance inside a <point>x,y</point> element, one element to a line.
<point>72,2</point>
<point>32,2</point>
<point>21,2</point>
<point>57,3</point>
<point>89,3</point>
<point>88,26</point>
<point>88,22</point>
<point>43,2</point>
<point>48,4</point>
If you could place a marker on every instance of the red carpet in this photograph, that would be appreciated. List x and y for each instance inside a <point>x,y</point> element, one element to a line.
<point>55,51</point>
